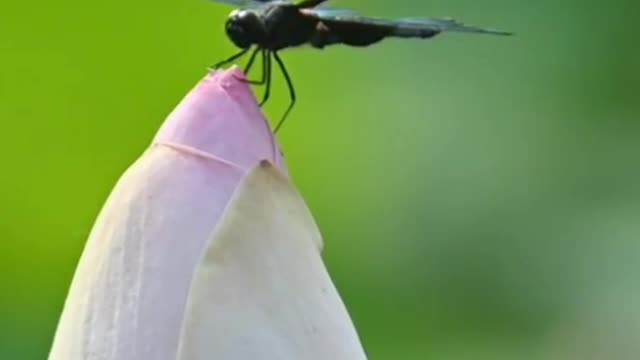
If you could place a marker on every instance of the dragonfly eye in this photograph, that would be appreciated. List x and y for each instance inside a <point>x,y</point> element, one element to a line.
<point>244,28</point>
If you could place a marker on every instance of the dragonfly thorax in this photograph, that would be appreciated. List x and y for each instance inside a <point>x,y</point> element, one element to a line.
<point>245,28</point>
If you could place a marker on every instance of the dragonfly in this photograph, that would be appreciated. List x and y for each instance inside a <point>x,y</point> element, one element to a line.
<point>269,26</point>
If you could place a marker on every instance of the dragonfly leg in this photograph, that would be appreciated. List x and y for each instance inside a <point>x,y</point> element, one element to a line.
<point>229,60</point>
<point>266,72</point>
<point>264,69</point>
<point>247,68</point>
<point>292,92</point>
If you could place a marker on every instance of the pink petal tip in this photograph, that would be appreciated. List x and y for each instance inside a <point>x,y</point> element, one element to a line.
<point>220,118</point>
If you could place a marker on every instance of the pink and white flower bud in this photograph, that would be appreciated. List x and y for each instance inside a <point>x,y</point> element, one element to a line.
<point>191,258</point>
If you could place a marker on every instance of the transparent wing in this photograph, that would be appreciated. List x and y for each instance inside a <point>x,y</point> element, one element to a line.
<point>332,13</point>
<point>448,25</point>
<point>407,27</point>
<point>252,3</point>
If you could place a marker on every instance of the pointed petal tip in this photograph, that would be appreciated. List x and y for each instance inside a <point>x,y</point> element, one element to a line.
<point>221,117</point>
<point>230,77</point>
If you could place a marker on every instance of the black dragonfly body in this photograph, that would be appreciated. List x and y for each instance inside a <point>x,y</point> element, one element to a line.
<point>269,26</point>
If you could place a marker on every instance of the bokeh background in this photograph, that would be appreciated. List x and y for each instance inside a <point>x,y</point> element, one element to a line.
<point>479,196</point>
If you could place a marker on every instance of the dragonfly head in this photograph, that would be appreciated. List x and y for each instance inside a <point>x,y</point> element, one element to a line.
<point>245,28</point>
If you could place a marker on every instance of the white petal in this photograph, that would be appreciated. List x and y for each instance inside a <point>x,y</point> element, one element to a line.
<point>262,291</point>
<point>129,292</point>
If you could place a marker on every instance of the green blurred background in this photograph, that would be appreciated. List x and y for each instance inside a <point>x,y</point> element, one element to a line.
<point>479,196</point>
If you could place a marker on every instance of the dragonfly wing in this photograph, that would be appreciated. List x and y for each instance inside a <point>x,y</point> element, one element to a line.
<point>325,12</point>
<point>446,25</point>
<point>309,4</point>
<point>252,3</point>
<point>409,27</point>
